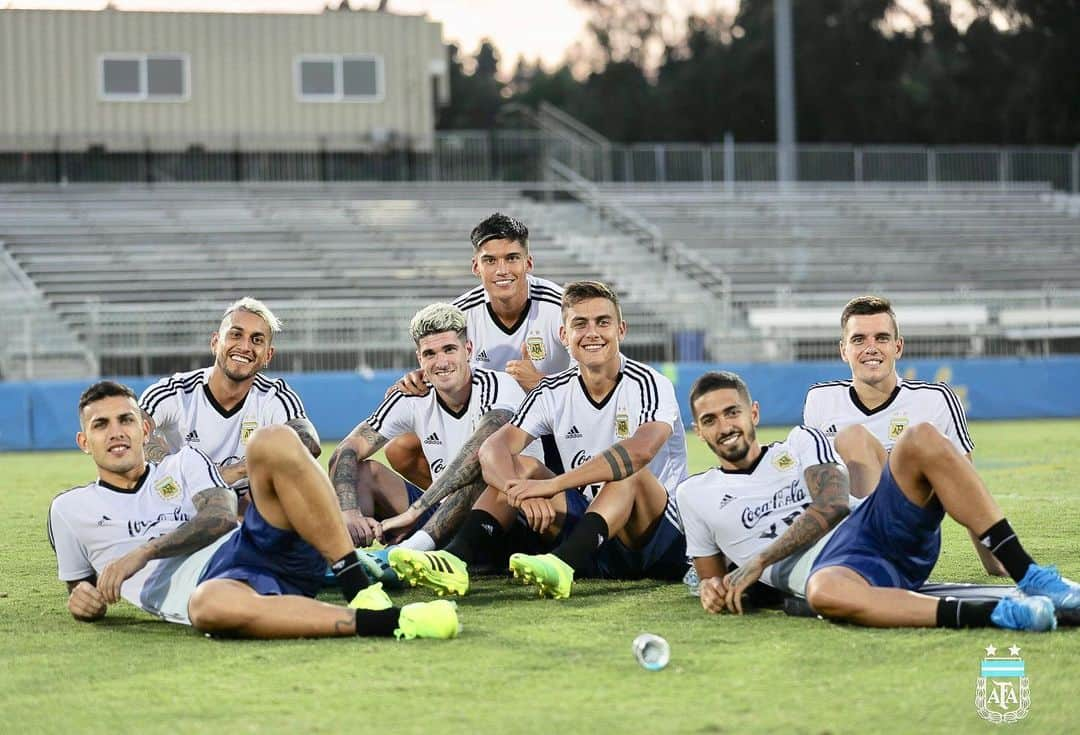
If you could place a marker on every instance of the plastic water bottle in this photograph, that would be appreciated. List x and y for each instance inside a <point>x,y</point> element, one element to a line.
<point>651,651</point>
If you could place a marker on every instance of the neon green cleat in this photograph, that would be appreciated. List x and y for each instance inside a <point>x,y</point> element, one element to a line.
<point>437,570</point>
<point>552,576</point>
<point>371,598</point>
<point>437,619</point>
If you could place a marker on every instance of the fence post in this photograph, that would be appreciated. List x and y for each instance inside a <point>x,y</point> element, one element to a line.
<point>706,163</point>
<point>931,166</point>
<point>1003,168</point>
<point>857,154</point>
<point>729,161</point>
<point>1076,170</point>
<point>661,164</point>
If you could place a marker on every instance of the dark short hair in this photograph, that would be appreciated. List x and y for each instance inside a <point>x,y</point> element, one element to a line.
<point>104,389</point>
<point>500,227</point>
<point>578,291</point>
<point>868,306</point>
<point>717,380</point>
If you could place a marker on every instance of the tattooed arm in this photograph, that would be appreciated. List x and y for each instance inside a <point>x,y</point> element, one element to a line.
<point>308,436</point>
<point>830,491</point>
<point>156,445</point>
<point>214,517</point>
<point>617,462</point>
<point>462,480</point>
<point>361,443</point>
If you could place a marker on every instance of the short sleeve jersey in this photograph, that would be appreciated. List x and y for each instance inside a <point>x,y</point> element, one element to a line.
<point>186,413</point>
<point>443,432</point>
<point>538,329</point>
<point>739,513</point>
<point>835,405</point>
<point>92,525</point>
<point>583,428</point>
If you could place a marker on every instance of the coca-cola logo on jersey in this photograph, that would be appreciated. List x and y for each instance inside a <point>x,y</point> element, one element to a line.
<point>792,494</point>
<point>580,458</point>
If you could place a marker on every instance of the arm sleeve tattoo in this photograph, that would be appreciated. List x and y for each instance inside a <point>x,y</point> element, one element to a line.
<point>215,516</point>
<point>464,470</point>
<point>829,490</point>
<point>345,465</point>
<point>308,436</point>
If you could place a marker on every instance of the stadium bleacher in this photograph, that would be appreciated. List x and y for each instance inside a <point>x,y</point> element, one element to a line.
<point>138,272</point>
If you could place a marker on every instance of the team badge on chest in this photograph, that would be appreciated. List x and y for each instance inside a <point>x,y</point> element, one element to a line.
<point>897,426</point>
<point>534,344</point>
<point>784,462</point>
<point>167,488</point>
<point>246,430</point>
<point>622,424</point>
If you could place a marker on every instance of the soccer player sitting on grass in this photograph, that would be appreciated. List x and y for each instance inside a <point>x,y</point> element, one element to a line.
<point>781,513</point>
<point>217,408</point>
<point>617,426</point>
<point>875,397</point>
<point>164,537</point>
<point>466,406</point>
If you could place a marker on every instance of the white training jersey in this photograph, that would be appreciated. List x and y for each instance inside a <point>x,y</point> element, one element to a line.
<point>92,525</point>
<point>443,432</point>
<point>538,328</point>
<point>739,513</point>
<point>834,405</point>
<point>186,413</point>
<point>582,428</point>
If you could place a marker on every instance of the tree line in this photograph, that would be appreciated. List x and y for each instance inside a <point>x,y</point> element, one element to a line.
<point>866,71</point>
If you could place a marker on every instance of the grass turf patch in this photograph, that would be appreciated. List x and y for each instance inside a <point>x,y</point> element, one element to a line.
<point>525,665</point>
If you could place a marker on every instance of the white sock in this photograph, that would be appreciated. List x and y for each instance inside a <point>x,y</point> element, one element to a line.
<point>419,541</point>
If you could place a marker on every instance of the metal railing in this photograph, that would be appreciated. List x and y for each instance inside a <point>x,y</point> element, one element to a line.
<point>522,155</point>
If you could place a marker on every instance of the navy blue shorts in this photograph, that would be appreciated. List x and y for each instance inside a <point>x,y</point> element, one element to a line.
<point>271,560</point>
<point>414,494</point>
<point>888,540</point>
<point>662,557</point>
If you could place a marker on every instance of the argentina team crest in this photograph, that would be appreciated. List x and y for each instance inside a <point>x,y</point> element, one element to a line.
<point>622,424</point>
<point>246,430</point>
<point>784,462</point>
<point>897,426</point>
<point>1002,693</point>
<point>167,488</point>
<point>534,345</point>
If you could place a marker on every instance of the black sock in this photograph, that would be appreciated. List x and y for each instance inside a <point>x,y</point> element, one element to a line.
<point>350,575</point>
<point>377,622</point>
<point>1005,545</point>
<point>954,613</point>
<point>479,532</point>
<point>587,536</point>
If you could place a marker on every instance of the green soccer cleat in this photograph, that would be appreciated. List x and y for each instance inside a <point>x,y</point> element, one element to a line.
<point>552,576</point>
<point>436,619</point>
<point>440,571</point>
<point>371,598</point>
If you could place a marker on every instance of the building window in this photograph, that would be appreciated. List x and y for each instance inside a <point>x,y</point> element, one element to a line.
<point>345,78</point>
<point>144,77</point>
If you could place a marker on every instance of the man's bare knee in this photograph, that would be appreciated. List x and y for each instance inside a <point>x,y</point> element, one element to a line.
<point>825,591</point>
<point>209,609</point>
<point>857,441</point>
<point>271,443</point>
<point>924,443</point>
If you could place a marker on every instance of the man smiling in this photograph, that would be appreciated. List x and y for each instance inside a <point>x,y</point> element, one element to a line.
<point>217,409</point>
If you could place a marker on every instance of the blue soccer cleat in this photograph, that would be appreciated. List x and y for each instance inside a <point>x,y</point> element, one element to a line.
<point>1048,582</point>
<point>377,567</point>
<point>1025,613</point>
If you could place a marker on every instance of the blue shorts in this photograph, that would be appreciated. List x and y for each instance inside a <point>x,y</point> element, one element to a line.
<point>414,494</point>
<point>271,560</point>
<point>888,540</point>
<point>662,557</point>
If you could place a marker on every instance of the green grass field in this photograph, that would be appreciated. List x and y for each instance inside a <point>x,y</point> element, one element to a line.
<point>525,665</point>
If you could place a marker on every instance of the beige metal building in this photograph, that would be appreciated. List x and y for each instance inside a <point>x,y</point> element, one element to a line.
<point>224,81</point>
